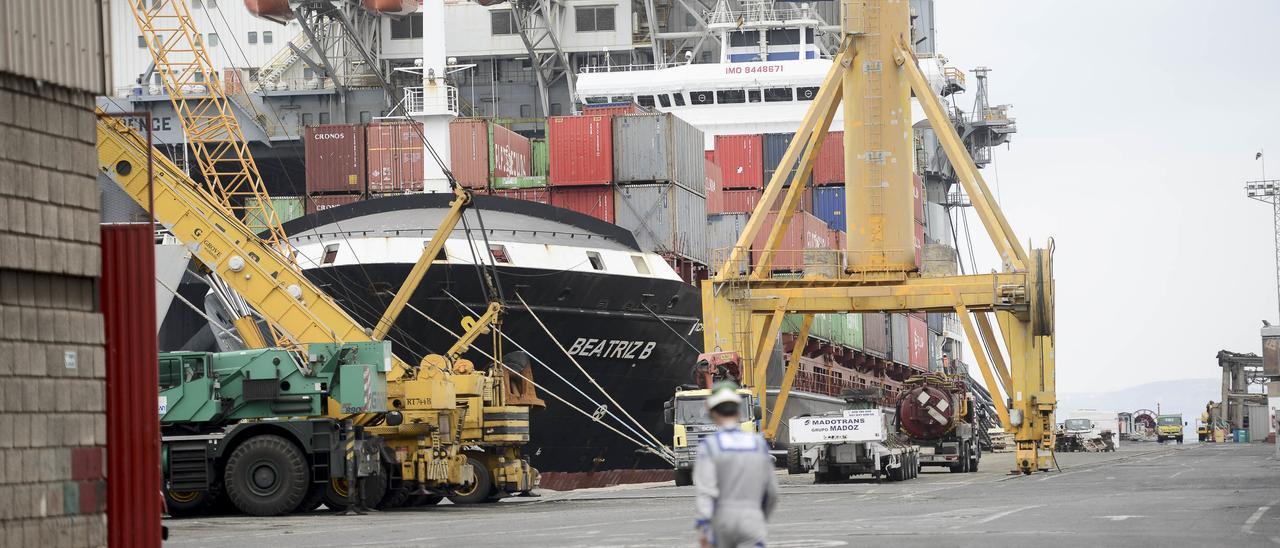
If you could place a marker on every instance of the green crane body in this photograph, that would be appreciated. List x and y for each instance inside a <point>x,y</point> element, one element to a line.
<point>223,387</point>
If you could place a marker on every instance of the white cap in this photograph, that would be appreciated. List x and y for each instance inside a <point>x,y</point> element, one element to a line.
<point>723,394</point>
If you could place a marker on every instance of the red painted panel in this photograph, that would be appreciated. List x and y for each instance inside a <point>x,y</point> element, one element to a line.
<point>394,157</point>
<point>732,201</point>
<point>829,166</point>
<point>581,150</point>
<point>321,203</point>
<point>512,153</point>
<point>469,152</point>
<point>335,157</point>
<point>741,158</point>
<point>919,244</point>
<point>540,195</point>
<point>614,110</point>
<point>596,201</point>
<point>917,192</point>
<point>713,178</point>
<point>803,232</point>
<point>918,344</point>
<point>128,301</point>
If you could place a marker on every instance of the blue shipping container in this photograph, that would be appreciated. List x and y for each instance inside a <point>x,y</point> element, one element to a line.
<point>775,147</point>
<point>828,205</point>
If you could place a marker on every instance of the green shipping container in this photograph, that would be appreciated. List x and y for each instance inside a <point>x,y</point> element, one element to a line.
<point>854,323</point>
<point>541,162</point>
<point>287,209</point>
<point>531,181</point>
<point>840,329</point>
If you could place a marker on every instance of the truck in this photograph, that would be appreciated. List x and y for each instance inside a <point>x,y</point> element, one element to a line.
<point>859,439</point>
<point>1089,430</point>
<point>1169,427</point>
<point>686,411</point>
<point>249,428</point>
<point>937,414</point>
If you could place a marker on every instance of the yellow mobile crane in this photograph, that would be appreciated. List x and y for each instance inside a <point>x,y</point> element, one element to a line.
<point>874,75</point>
<point>444,402</point>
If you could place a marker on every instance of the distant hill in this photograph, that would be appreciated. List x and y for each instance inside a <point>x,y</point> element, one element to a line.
<point>1186,396</point>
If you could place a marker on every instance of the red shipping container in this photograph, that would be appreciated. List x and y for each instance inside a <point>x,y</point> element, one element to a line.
<point>918,344</point>
<point>469,152</point>
<point>540,195</point>
<point>394,156</point>
<point>335,156</point>
<point>732,201</point>
<point>321,203</point>
<point>127,295</point>
<point>710,155</point>
<point>806,200</point>
<point>581,150</point>
<point>803,232</point>
<point>713,178</point>
<point>741,158</point>
<point>828,168</point>
<point>917,185</point>
<point>596,201</point>
<point>919,243</point>
<point>512,153</point>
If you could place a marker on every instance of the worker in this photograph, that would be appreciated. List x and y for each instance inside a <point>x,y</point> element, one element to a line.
<point>733,477</point>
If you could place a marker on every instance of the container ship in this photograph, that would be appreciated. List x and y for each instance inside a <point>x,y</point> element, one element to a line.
<point>604,222</point>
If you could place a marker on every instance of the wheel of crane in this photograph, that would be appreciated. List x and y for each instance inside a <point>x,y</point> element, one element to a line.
<point>267,476</point>
<point>476,492</point>
<point>795,465</point>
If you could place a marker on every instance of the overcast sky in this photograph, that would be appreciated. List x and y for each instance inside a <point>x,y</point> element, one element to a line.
<point>1137,128</point>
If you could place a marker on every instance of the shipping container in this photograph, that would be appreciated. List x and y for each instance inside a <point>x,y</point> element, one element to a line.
<point>507,183</point>
<point>287,209</point>
<point>596,201</point>
<point>875,334</point>
<point>806,201</point>
<point>394,156</point>
<point>732,201</point>
<point>335,158</point>
<point>539,195</point>
<point>722,234</point>
<point>918,343</point>
<point>580,150</point>
<point>741,160</point>
<point>665,218</point>
<point>712,178</point>
<point>828,205</point>
<point>899,338</point>
<point>917,192</point>
<point>775,147</point>
<point>613,109</point>
<point>539,164</point>
<point>935,350</point>
<point>657,148</point>
<point>828,168</point>
<point>483,152</point>
<point>803,232</point>
<point>321,203</point>
<point>127,296</point>
<point>935,320</point>
<point>854,322</point>
<point>919,244</point>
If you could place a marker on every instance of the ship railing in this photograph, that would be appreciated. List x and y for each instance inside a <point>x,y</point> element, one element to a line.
<point>596,69</point>
<point>833,384</point>
<point>760,14</point>
<point>823,257</point>
<point>417,101</point>
<point>427,232</point>
<point>953,76</point>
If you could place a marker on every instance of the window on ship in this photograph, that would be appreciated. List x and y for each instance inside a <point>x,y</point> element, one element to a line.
<point>499,253</point>
<point>753,96</point>
<point>641,266</point>
<point>774,95</point>
<point>678,99</point>
<point>644,100</point>
<point>330,254</point>
<point>596,100</point>
<point>806,93</point>
<point>597,263</point>
<point>622,98</point>
<point>729,96</point>
<point>664,100</point>
<point>701,98</point>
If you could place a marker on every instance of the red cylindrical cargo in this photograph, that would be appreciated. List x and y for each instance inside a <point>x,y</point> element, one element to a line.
<point>732,201</point>
<point>394,156</point>
<point>127,292</point>
<point>540,195</point>
<point>928,412</point>
<point>321,203</point>
<point>596,201</point>
<point>741,159</point>
<point>469,152</point>
<point>335,157</point>
<point>392,7</point>
<point>918,345</point>
<point>828,167</point>
<point>581,150</point>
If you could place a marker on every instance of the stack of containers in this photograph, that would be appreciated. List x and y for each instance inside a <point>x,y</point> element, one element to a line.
<point>775,147</point>
<point>741,161</point>
<point>539,167</point>
<point>828,168</point>
<point>484,154</point>
<point>394,156</point>
<point>828,205</point>
<point>335,165</point>
<point>875,334</point>
<point>838,329</point>
<point>580,164</point>
<point>803,232</point>
<point>659,168</point>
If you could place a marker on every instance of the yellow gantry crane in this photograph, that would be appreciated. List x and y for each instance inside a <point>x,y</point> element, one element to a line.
<point>874,75</point>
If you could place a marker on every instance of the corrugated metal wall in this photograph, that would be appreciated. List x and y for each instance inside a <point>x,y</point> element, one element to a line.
<point>658,148</point>
<point>128,295</point>
<point>665,218</point>
<point>56,42</point>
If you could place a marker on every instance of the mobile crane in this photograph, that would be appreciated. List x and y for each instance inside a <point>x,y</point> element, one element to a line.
<point>445,403</point>
<point>874,75</point>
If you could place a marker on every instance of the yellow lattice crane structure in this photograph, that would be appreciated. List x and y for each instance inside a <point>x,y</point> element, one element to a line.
<point>196,91</point>
<point>874,76</point>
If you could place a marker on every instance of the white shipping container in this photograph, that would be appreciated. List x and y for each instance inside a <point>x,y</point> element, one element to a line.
<point>650,148</point>
<point>665,218</point>
<point>900,337</point>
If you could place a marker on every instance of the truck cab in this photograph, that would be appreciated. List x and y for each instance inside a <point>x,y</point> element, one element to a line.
<point>1169,427</point>
<point>686,412</point>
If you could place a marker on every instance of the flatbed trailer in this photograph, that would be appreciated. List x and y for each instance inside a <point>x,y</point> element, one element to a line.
<point>841,444</point>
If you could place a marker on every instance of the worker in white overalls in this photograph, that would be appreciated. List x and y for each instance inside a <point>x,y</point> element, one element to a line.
<point>733,477</point>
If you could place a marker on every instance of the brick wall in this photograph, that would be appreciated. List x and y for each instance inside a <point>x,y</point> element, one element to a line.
<point>52,404</point>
